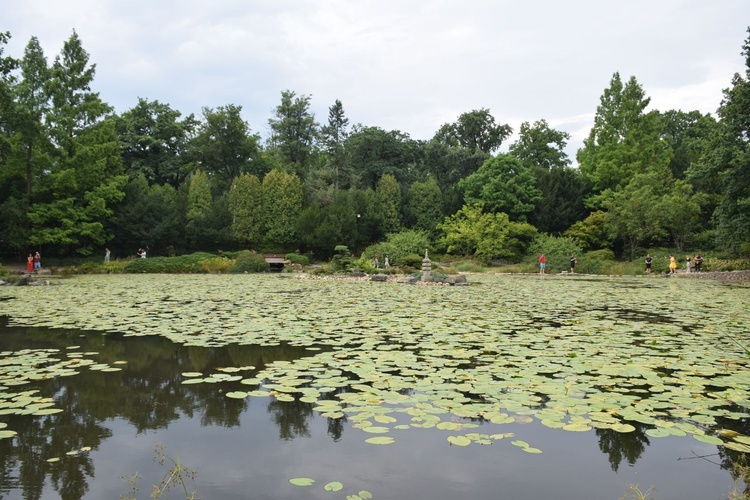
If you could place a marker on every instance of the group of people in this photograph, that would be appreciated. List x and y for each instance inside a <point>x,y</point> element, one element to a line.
<point>386,263</point>
<point>543,264</point>
<point>33,262</point>
<point>691,263</point>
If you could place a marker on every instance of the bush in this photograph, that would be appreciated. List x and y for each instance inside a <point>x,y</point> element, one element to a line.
<point>183,264</point>
<point>296,258</point>
<point>215,265</point>
<point>249,262</point>
<point>714,264</point>
<point>468,267</point>
<point>411,260</point>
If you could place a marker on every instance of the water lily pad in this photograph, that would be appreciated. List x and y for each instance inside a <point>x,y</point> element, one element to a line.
<point>459,440</point>
<point>380,440</point>
<point>302,481</point>
<point>708,439</point>
<point>333,486</point>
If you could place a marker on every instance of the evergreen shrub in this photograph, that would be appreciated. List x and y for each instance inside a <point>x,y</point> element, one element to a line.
<point>249,262</point>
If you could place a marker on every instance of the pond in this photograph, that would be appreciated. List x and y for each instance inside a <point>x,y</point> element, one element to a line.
<point>559,387</point>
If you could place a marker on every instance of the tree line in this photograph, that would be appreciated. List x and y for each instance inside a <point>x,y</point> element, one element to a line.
<point>75,176</point>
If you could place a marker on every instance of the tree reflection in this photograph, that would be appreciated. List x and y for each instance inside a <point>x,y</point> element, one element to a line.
<point>619,446</point>
<point>148,392</point>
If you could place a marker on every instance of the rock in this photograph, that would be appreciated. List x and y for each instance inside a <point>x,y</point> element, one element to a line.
<point>379,277</point>
<point>459,279</point>
<point>24,280</point>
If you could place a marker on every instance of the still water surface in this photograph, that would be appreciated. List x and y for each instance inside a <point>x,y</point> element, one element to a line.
<point>250,448</point>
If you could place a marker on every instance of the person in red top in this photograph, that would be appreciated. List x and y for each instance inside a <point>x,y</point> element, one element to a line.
<point>30,263</point>
<point>542,263</point>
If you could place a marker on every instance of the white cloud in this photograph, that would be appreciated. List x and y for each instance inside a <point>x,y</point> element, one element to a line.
<point>410,66</point>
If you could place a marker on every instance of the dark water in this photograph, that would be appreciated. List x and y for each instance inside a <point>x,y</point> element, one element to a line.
<point>250,448</point>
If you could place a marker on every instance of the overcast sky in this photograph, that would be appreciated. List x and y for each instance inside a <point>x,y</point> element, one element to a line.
<point>397,64</point>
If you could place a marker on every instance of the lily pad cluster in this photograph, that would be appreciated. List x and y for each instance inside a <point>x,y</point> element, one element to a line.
<point>571,354</point>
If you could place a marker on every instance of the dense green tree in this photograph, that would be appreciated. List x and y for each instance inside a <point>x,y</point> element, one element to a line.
<point>538,145</point>
<point>486,236</point>
<point>154,141</point>
<point>689,136</point>
<point>374,152</point>
<point>333,138</point>
<point>542,150</point>
<point>321,229</point>
<point>246,206</point>
<point>502,184</point>
<point>199,202</point>
<point>225,148</point>
<point>681,211</point>
<point>425,206</point>
<point>731,162</point>
<point>7,65</point>
<point>562,201</point>
<point>32,104</point>
<point>73,200</point>
<point>634,212</point>
<point>389,200</point>
<point>591,233</point>
<point>448,165</point>
<point>146,218</point>
<point>13,225</point>
<point>476,129</point>
<point>625,140</point>
<point>283,197</point>
<point>293,133</point>
<point>369,217</point>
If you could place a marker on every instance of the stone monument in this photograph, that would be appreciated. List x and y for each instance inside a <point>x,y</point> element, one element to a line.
<point>426,267</point>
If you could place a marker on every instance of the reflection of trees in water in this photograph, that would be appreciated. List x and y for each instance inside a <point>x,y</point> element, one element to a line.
<point>148,393</point>
<point>736,462</point>
<point>291,417</point>
<point>622,445</point>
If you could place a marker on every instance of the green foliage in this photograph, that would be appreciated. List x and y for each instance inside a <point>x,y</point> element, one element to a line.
<point>411,260</point>
<point>486,236</point>
<point>215,265</point>
<point>716,264</point>
<point>592,232</point>
<point>474,130</point>
<point>624,140</point>
<point>250,262</point>
<point>224,146</point>
<point>425,205</point>
<point>467,266</point>
<point>282,206</point>
<point>246,207</point>
<point>293,133</point>
<point>502,185</point>
<point>296,258</point>
<point>182,264</point>
<point>342,259</point>
<point>388,195</point>
<point>558,250</point>
<point>399,245</point>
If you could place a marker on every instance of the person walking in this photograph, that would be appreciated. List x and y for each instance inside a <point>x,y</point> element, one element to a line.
<point>688,265</point>
<point>572,263</point>
<point>106,255</point>
<point>697,262</point>
<point>30,263</point>
<point>649,260</point>
<point>542,264</point>
<point>672,264</point>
